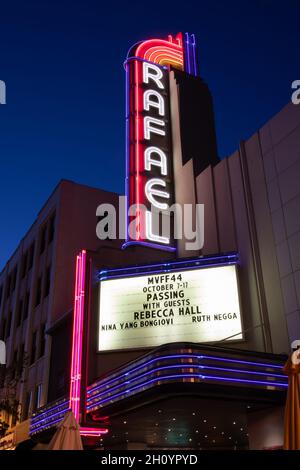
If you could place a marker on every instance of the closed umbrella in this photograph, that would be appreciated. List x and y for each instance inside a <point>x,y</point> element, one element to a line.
<point>292,407</point>
<point>67,436</point>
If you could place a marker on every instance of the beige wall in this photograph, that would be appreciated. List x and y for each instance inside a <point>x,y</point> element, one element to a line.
<point>252,205</point>
<point>280,144</point>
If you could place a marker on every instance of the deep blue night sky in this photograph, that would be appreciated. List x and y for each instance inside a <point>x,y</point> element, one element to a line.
<point>62,64</point>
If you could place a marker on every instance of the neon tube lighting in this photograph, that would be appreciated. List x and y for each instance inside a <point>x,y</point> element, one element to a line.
<point>49,410</point>
<point>149,49</point>
<point>45,418</point>
<point>182,376</point>
<point>93,431</point>
<point>47,425</point>
<point>149,244</point>
<point>49,419</point>
<point>76,362</point>
<point>182,366</point>
<point>167,270</point>
<point>198,261</point>
<point>179,356</point>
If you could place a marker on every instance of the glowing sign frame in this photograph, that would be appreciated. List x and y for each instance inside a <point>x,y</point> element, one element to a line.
<point>177,52</point>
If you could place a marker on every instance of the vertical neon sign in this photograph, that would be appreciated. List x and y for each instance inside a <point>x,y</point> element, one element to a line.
<point>77,346</point>
<point>77,340</point>
<point>149,172</point>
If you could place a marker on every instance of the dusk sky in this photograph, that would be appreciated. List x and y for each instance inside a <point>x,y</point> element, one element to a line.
<point>62,62</point>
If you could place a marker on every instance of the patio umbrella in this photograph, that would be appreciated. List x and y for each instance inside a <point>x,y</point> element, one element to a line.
<point>67,436</point>
<point>292,407</point>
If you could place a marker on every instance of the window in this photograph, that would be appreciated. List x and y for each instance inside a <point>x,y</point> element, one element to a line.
<point>42,339</point>
<point>14,364</point>
<point>8,325</point>
<point>21,359</point>
<point>47,281</point>
<point>24,265</point>
<point>3,326</point>
<point>30,256</point>
<point>38,294</point>
<point>19,312</point>
<point>26,305</point>
<point>33,349</point>
<point>38,396</point>
<point>14,279</point>
<point>43,239</point>
<point>28,405</point>
<point>8,282</point>
<point>14,419</point>
<point>51,228</point>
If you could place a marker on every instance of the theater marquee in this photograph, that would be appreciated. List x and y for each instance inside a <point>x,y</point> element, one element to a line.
<point>197,305</point>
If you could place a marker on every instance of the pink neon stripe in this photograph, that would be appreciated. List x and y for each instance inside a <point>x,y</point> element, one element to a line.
<point>76,352</point>
<point>93,431</point>
<point>74,327</point>
<point>77,345</point>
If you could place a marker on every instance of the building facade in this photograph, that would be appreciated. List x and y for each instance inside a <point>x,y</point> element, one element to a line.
<point>36,292</point>
<point>170,390</point>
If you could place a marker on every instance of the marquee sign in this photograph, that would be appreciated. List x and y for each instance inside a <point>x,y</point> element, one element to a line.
<point>149,172</point>
<point>196,304</point>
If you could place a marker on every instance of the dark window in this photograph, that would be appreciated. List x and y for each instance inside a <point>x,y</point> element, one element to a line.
<point>14,364</point>
<point>3,326</point>
<point>19,312</point>
<point>51,228</point>
<point>30,256</point>
<point>33,349</point>
<point>14,419</point>
<point>14,279</point>
<point>42,339</point>
<point>38,397</point>
<point>38,294</point>
<point>28,405</point>
<point>47,281</point>
<point>43,239</point>
<point>8,283</point>
<point>26,305</point>
<point>21,359</point>
<point>24,265</point>
<point>8,325</point>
